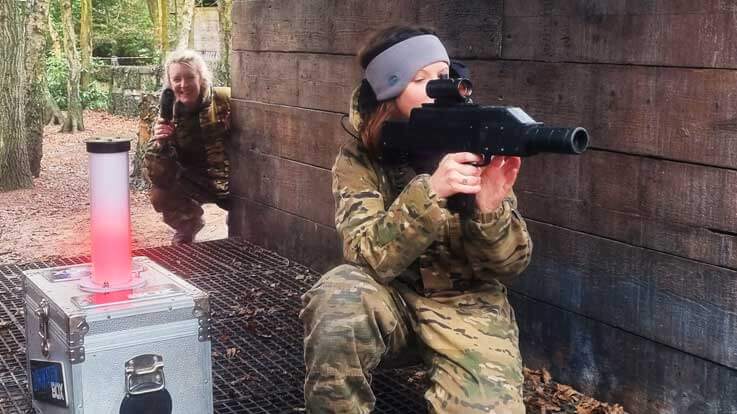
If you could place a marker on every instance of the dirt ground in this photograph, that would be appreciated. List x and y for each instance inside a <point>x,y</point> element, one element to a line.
<point>52,218</point>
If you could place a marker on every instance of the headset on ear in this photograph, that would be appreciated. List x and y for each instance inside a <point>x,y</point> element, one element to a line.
<point>459,69</point>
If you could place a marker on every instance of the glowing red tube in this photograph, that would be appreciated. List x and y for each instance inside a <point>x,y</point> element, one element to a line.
<point>110,213</point>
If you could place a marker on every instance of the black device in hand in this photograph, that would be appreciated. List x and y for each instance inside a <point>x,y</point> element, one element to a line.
<point>453,123</point>
<point>166,105</point>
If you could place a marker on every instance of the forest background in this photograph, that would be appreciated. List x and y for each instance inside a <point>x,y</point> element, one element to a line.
<point>60,56</point>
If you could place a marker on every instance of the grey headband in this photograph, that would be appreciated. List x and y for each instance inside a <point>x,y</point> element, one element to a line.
<point>392,70</point>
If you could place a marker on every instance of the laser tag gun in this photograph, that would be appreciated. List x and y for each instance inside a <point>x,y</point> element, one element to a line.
<point>453,123</point>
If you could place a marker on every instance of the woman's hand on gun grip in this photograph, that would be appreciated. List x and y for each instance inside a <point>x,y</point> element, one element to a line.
<point>163,130</point>
<point>456,175</point>
<point>497,180</point>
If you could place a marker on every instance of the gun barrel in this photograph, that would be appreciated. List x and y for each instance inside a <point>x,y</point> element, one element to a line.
<point>557,140</point>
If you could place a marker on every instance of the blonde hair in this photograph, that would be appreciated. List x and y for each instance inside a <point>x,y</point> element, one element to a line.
<point>192,59</point>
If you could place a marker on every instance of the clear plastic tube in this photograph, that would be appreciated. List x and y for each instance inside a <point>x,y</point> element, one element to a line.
<point>110,216</point>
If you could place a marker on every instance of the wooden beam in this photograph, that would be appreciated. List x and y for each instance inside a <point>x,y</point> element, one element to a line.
<point>693,242</point>
<point>674,301</point>
<point>307,136</point>
<point>673,33</point>
<point>668,191</point>
<point>616,366</point>
<point>299,189</point>
<point>678,114</point>
<point>323,26</point>
<point>306,80</point>
<point>673,113</point>
<point>307,242</point>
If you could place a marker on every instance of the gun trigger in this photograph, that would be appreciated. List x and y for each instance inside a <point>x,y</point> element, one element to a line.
<point>486,159</point>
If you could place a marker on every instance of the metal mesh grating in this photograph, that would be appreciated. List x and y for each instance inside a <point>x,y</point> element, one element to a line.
<point>256,335</point>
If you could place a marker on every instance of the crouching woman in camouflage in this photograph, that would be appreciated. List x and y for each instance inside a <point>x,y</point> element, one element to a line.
<point>186,159</point>
<point>418,278</point>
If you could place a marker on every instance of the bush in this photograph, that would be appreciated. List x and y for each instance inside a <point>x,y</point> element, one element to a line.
<point>57,74</point>
<point>95,96</point>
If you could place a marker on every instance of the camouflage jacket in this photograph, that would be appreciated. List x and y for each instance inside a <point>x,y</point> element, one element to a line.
<point>197,150</point>
<point>393,224</point>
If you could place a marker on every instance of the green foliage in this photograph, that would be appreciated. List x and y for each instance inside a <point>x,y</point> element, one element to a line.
<point>57,74</point>
<point>123,28</point>
<point>119,28</point>
<point>95,96</point>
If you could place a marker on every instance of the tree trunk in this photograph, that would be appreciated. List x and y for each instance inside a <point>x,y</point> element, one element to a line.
<point>148,110</point>
<point>185,23</point>
<point>15,172</point>
<point>55,44</point>
<point>164,26</point>
<point>153,13</point>
<point>226,25</point>
<point>36,24</point>
<point>85,40</point>
<point>73,121</point>
<point>52,113</point>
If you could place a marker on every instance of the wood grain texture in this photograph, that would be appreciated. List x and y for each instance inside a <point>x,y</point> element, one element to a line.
<point>666,33</point>
<point>674,301</point>
<point>299,189</point>
<point>294,237</point>
<point>616,366</point>
<point>308,136</point>
<point>693,242</point>
<point>305,80</point>
<point>668,191</point>
<point>471,28</point>
<point>674,113</point>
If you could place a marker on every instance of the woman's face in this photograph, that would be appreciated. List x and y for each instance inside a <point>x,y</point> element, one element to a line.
<point>185,82</point>
<point>414,95</point>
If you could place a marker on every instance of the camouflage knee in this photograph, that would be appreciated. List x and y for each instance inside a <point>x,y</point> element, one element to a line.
<point>179,211</point>
<point>472,347</point>
<point>350,322</point>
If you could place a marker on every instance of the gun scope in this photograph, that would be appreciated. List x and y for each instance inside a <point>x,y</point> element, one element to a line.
<point>446,90</point>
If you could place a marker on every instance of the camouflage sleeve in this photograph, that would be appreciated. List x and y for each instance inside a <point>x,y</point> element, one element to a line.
<point>161,164</point>
<point>497,244</point>
<point>386,241</point>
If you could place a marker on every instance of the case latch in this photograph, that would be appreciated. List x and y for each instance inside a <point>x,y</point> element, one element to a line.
<point>43,325</point>
<point>144,374</point>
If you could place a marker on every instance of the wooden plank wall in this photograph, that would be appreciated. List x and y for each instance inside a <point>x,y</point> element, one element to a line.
<point>632,292</point>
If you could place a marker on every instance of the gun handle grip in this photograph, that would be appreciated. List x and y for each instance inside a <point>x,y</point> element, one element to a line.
<point>463,204</point>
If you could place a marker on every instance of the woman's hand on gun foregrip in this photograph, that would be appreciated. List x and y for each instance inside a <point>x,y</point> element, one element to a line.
<point>455,174</point>
<point>163,130</point>
<point>497,180</point>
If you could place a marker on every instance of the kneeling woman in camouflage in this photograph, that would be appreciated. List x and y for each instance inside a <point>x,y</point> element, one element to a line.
<point>419,278</point>
<point>186,159</point>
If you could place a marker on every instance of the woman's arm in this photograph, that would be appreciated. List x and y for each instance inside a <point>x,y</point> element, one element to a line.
<point>497,244</point>
<point>386,241</point>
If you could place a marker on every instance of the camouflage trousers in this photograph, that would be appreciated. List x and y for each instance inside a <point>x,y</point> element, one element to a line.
<point>181,204</point>
<point>468,340</point>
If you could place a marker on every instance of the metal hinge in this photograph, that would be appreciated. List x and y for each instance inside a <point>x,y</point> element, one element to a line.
<point>78,328</point>
<point>43,325</point>
<point>201,311</point>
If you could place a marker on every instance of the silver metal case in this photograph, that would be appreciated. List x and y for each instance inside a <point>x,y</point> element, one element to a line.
<point>94,352</point>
